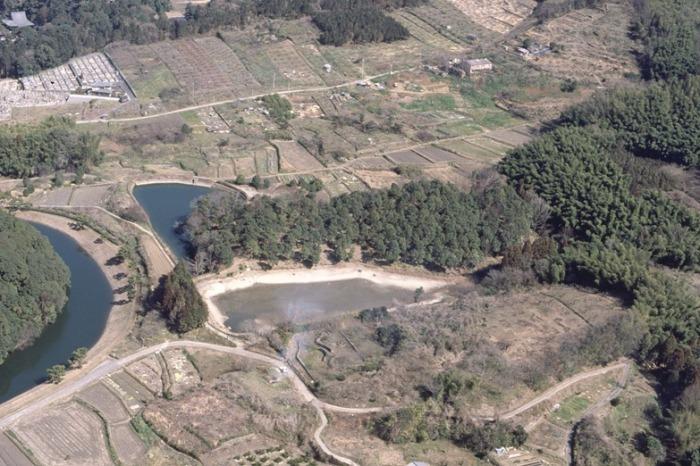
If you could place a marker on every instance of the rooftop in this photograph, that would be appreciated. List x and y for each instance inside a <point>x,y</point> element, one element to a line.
<point>18,19</point>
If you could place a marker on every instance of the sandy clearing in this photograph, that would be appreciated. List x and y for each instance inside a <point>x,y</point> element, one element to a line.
<point>210,287</point>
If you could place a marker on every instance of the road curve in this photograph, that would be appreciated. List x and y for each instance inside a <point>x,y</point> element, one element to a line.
<point>564,384</point>
<point>113,365</point>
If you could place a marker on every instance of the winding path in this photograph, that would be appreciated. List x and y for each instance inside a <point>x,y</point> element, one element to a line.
<point>113,365</point>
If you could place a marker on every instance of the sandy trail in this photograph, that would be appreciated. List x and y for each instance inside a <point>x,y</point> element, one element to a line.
<point>211,287</point>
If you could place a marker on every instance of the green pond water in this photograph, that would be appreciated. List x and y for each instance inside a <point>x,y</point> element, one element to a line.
<point>80,324</point>
<point>261,304</point>
<point>167,206</point>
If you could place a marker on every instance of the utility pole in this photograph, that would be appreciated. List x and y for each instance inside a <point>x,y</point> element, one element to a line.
<point>274,78</point>
<point>363,68</point>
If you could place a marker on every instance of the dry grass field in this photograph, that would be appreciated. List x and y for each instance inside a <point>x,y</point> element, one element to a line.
<point>596,44</point>
<point>68,434</point>
<point>497,338</point>
<point>496,15</point>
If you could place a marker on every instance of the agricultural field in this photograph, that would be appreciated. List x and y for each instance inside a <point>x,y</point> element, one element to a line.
<point>500,16</point>
<point>595,44</point>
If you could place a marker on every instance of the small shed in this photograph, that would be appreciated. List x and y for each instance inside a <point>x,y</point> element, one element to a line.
<point>477,65</point>
<point>17,19</point>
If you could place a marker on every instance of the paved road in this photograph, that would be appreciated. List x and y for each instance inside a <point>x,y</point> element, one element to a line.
<point>242,99</point>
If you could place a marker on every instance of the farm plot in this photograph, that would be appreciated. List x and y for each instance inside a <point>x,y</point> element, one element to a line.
<point>227,61</point>
<point>68,434</point>
<point>202,72</point>
<point>596,44</point>
<point>491,145</point>
<point>146,73</point>
<point>425,32</point>
<point>207,413</point>
<point>10,455</point>
<point>293,157</point>
<point>407,157</point>
<point>377,58</point>
<point>129,448</point>
<point>497,15</point>
<point>512,137</point>
<point>149,372</point>
<point>181,372</point>
<point>129,389</point>
<point>291,65</point>
<point>448,20</point>
<point>464,148</point>
<point>437,155</point>
<point>106,402</point>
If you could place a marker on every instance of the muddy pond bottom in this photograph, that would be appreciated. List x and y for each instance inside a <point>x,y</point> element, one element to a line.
<point>262,305</point>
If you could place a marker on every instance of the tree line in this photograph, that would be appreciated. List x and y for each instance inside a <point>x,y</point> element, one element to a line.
<point>66,29</point>
<point>669,31</point>
<point>34,284</point>
<point>661,121</point>
<point>426,223</point>
<point>54,144</point>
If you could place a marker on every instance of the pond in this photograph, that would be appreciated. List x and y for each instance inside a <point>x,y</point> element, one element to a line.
<point>167,206</point>
<point>80,324</point>
<point>259,304</point>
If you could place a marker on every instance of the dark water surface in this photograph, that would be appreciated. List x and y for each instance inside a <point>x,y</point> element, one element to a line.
<point>167,205</point>
<point>80,324</point>
<point>299,302</point>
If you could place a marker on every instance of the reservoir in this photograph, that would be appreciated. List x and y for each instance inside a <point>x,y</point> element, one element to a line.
<point>80,324</point>
<point>269,304</point>
<point>167,206</point>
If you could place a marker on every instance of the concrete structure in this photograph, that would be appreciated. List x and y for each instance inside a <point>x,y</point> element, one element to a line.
<point>478,65</point>
<point>18,19</point>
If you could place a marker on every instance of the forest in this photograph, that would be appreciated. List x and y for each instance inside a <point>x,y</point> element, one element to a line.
<point>426,223</point>
<point>669,32</point>
<point>611,226</point>
<point>52,145</point>
<point>661,121</point>
<point>180,302</point>
<point>66,29</point>
<point>34,284</point>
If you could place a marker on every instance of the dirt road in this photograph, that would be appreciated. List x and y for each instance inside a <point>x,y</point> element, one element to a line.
<point>564,384</point>
<point>242,99</point>
<point>111,366</point>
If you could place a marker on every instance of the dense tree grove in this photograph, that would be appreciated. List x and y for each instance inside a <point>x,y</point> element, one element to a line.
<point>660,122</point>
<point>342,21</point>
<point>590,196</point>
<point>669,33</point>
<point>180,301</point>
<point>55,144</point>
<point>33,283</point>
<point>423,223</point>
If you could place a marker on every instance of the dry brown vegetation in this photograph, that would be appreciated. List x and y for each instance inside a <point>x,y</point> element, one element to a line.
<point>503,344</point>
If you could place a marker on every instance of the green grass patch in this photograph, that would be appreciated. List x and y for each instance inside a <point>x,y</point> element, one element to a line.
<point>497,119</point>
<point>571,408</point>
<point>158,79</point>
<point>434,102</point>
